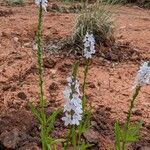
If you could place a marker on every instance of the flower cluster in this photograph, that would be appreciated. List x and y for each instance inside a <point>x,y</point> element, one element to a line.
<point>89,45</point>
<point>143,76</point>
<point>43,3</point>
<point>73,103</point>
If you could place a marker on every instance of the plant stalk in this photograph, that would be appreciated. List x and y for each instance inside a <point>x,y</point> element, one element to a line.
<point>84,83</point>
<point>40,71</point>
<point>129,116</point>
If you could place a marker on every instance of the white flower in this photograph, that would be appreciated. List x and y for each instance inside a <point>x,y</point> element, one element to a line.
<point>73,104</point>
<point>67,119</point>
<point>143,76</point>
<point>77,104</point>
<point>89,45</point>
<point>67,93</point>
<point>76,83</point>
<point>69,79</point>
<point>44,4</point>
<point>76,118</point>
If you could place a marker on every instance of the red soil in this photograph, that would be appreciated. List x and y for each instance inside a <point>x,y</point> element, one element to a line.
<point>109,83</point>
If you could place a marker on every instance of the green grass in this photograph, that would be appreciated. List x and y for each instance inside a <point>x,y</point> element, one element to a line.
<point>96,19</point>
<point>15,2</point>
<point>145,3</point>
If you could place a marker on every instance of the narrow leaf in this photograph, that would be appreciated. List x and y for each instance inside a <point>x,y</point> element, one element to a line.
<point>35,111</point>
<point>118,136</point>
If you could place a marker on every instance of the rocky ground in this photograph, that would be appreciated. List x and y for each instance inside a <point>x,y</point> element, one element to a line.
<point>109,81</point>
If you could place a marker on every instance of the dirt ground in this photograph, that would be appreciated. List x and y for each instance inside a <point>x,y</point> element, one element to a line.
<point>109,82</point>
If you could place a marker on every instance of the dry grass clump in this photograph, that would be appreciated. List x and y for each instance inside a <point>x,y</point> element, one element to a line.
<point>96,19</point>
<point>141,3</point>
<point>15,2</point>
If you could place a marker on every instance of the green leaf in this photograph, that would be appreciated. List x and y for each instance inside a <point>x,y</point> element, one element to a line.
<point>51,120</point>
<point>84,99</point>
<point>58,141</point>
<point>53,115</point>
<point>133,132</point>
<point>118,136</point>
<point>73,135</point>
<point>85,146</point>
<point>52,143</point>
<point>75,69</point>
<point>35,111</point>
<point>49,147</point>
<point>85,124</point>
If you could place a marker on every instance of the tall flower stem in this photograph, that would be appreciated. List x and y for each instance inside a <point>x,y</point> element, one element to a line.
<point>84,83</point>
<point>84,100</point>
<point>40,56</point>
<point>71,137</point>
<point>73,131</point>
<point>68,139</point>
<point>41,70</point>
<point>126,127</point>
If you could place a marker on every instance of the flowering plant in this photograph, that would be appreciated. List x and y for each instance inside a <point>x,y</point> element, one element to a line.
<point>46,122</point>
<point>73,103</point>
<point>42,3</point>
<point>89,45</point>
<point>130,132</point>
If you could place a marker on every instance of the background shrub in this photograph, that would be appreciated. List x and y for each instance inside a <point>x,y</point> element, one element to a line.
<point>15,2</point>
<point>142,3</point>
<point>96,19</point>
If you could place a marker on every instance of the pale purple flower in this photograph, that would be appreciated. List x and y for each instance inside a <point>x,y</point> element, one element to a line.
<point>76,118</point>
<point>73,103</point>
<point>67,119</point>
<point>143,76</point>
<point>44,4</point>
<point>89,45</point>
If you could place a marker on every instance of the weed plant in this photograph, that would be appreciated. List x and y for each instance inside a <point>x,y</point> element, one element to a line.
<point>76,113</point>
<point>96,19</point>
<point>15,2</point>
<point>130,132</point>
<point>46,122</point>
<point>144,3</point>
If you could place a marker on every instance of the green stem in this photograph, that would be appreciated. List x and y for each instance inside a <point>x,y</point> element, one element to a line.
<point>71,137</point>
<point>129,116</point>
<point>43,137</point>
<point>40,70</point>
<point>87,62</point>
<point>40,56</point>
<point>84,83</point>
<point>74,74</point>
<point>79,134</point>
<point>68,139</point>
<point>73,131</point>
